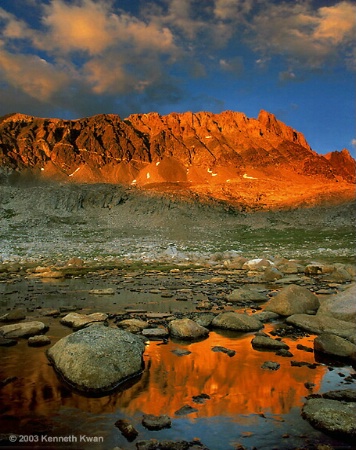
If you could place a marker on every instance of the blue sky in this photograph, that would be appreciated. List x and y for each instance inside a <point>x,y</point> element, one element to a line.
<point>296,59</point>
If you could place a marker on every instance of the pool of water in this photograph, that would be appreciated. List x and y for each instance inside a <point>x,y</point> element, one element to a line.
<point>247,404</point>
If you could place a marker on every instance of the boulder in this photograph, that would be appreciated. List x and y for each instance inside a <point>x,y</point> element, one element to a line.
<point>272,274</point>
<point>257,264</point>
<point>23,329</point>
<point>133,325</point>
<point>338,275</point>
<point>236,322</point>
<point>331,416</point>
<point>293,299</point>
<point>246,294</point>
<point>266,342</point>
<point>155,333</point>
<point>187,329</point>
<point>14,315</point>
<point>98,358</point>
<point>78,321</point>
<point>335,345</point>
<point>319,324</point>
<point>341,306</point>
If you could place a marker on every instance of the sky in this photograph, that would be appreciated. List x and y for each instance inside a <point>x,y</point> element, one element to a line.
<point>295,59</point>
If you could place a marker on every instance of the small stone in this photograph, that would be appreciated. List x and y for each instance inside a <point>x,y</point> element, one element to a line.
<point>152,422</point>
<point>127,429</point>
<point>38,341</point>
<point>270,365</point>
<point>184,410</point>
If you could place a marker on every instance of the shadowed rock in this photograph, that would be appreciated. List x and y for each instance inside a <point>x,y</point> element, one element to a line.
<point>98,358</point>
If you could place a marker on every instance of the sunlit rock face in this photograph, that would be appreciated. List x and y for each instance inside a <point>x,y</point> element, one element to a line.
<point>228,156</point>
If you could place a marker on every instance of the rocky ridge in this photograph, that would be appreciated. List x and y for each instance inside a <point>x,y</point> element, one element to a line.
<point>226,156</point>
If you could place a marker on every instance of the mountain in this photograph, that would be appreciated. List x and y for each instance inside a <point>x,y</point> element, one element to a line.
<point>258,162</point>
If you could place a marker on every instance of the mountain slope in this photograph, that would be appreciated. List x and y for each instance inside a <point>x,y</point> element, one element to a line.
<point>258,162</point>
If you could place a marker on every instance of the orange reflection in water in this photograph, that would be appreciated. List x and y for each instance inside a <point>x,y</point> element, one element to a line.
<point>236,385</point>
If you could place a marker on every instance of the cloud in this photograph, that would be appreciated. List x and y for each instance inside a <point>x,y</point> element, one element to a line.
<point>353,143</point>
<point>301,35</point>
<point>32,74</point>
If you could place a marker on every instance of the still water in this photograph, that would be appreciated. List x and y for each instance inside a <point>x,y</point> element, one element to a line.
<point>246,404</point>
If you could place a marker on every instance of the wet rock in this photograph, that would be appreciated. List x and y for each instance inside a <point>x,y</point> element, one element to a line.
<point>127,429</point>
<point>266,316</point>
<point>133,325</point>
<point>285,353</point>
<point>318,269</point>
<point>268,343</point>
<point>152,422</point>
<point>323,324</point>
<point>6,381</point>
<point>187,329</point>
<point>155,333</point>
<point>38,341</point>
<point>79,321</point>
<point>23,329</point>
<point>270,365</point>
<point>236,322</point>
<point>305,348</point>
<point>293,299</point>
<point>272,274</point>
<point>7,342</point>
<point>184,410</point>
<point>335,345</point>
<point>181,352</point>
<point>304,363</point>
<point>154,444</point>
<point>339,275</point>
<point>55,274</point>
<point>218,348</point>
<point>289,267</point>
<point>347,395</point>
<point>16,314</point>
<point>331,416</point>
<point>201,398</point>
<point>106,291</point>
<point>340,306</point>
<point>47,312</point>
<point>98,358</point>
<point>204,320</point>
<point>246,294</point>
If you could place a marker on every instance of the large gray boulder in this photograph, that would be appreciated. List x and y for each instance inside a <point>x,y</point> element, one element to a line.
<point>236,322</point>
<point>293,299</point>
<point>97,359</point>
<point>335,345</point>
<point>331,416</point>
<point>187,329</point>
<point>23,329</point>
<point>341,306</point>
<point>319,324</point>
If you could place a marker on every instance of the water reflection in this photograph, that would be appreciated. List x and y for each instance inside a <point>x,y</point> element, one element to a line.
<point>236,385</point>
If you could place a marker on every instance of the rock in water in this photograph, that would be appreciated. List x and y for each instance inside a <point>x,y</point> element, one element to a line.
<point>331,416</point>
<point>97,359</point>
<point>293,299</point>
<point>236,322</point>
<point>187,329</point>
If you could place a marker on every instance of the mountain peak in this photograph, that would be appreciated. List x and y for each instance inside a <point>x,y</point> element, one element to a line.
<point>213,154</point>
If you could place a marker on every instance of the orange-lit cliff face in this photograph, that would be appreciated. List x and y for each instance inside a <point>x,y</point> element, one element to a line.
<point>260,162</point>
